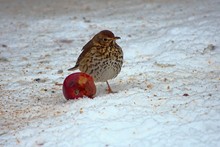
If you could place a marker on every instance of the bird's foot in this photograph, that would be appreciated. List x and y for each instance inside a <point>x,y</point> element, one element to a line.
<point>109,90</point>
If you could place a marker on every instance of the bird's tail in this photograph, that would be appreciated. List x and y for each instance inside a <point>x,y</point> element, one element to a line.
<point>74,68</point>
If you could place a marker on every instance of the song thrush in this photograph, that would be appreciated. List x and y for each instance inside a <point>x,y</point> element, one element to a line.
<point>101,57</point>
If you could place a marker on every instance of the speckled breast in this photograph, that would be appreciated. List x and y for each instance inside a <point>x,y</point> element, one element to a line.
<point>104,64</point>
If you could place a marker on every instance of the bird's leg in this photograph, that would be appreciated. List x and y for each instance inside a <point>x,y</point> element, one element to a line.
<point>109,90</point>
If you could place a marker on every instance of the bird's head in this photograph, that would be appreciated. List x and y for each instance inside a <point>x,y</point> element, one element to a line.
<point>105,38</point>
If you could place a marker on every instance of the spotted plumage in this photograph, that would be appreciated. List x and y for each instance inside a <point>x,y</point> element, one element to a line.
<point>101,57</point>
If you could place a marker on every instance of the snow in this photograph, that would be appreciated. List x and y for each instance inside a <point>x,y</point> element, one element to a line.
<point>168,92</point>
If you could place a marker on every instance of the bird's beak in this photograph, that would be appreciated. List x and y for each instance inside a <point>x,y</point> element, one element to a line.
<point>117,38</point>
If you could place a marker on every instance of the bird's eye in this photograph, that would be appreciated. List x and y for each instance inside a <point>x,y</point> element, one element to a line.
<point>105,39</point>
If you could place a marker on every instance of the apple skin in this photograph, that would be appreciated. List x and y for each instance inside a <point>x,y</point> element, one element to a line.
<point>78,85</point>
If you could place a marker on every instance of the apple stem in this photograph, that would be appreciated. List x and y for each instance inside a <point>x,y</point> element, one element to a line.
<point>58,84</point>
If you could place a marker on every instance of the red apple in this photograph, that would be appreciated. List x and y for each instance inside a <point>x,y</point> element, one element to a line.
<point>78,85</point>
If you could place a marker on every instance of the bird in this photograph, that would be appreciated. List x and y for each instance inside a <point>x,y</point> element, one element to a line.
<point>101,58</point>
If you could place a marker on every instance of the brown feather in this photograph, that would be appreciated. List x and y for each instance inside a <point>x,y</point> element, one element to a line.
<point>85,49</point>
<point>74,68</point>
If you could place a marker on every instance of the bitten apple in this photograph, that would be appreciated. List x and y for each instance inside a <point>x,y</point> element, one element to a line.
<point>78,85</point>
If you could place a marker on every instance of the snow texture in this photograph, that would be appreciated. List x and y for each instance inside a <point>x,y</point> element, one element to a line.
<point>168,92</point>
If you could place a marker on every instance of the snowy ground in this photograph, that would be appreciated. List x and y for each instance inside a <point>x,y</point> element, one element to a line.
<point>168,89</point>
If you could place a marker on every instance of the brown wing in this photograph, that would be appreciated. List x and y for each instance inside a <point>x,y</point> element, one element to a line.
<point>85,49</point>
